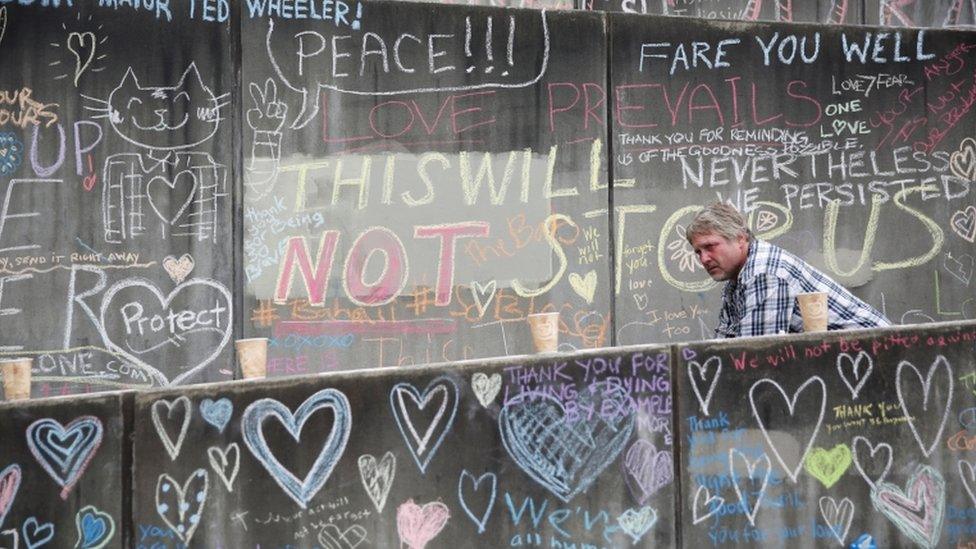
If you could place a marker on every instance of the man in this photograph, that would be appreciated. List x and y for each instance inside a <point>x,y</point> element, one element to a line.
<point>764,280</point>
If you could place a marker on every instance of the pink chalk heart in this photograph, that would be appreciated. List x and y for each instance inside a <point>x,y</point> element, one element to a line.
<point>648,470</point>
<point>418,525</point>
<point>9,484</point>
<point>919,509</point>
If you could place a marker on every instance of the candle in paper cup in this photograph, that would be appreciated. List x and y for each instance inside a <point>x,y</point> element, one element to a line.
<point>813,309</point>
<point>252,355</point>
<point>545,331</point>
<point>16,378</point>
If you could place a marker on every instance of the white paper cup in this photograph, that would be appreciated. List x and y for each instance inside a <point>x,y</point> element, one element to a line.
<point>252,355</point>
<point>16,378</point>
<point>813,309</point>
<point>545,331</point>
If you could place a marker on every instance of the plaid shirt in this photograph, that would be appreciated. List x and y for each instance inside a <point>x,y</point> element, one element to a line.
<point>762,299</point>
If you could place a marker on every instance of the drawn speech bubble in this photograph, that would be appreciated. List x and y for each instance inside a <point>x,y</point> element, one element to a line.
<point>457,52</point>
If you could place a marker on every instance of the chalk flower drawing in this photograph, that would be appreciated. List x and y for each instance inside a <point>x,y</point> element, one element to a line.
<point>682,252</point>
<point>11,153</point>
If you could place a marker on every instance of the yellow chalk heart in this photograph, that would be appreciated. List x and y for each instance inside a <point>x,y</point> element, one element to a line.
<point>828,466</point>
<point>585,286</point>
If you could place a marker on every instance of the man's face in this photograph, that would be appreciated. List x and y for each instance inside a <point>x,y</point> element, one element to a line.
<point>721,257</point>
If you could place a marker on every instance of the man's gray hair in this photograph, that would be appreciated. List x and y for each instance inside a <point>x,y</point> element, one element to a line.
<point>720,218</point>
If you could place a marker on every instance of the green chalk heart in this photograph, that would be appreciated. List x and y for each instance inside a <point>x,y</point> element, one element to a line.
<point>828,466</point>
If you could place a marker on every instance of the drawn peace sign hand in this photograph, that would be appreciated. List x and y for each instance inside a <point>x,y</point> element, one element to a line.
<point>268,114</point>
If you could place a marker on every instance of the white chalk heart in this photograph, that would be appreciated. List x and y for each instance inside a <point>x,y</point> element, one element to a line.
<point>164,193</point>
<point>486,388</point>
<point>82,45</point>
<point>178,269</point>
<point>206,347</point>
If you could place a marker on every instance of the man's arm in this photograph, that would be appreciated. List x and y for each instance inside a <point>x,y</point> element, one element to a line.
<point>768,307</point>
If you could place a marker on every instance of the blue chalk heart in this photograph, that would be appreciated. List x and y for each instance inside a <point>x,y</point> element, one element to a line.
<point>217,412</point>
<point>95,528</point>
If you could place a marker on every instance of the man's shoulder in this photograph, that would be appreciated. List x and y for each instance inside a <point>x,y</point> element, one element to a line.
<point>766,259</point>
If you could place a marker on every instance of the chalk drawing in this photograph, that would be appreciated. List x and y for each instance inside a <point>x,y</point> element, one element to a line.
<point>838,516</point>
<point>82,46</point>
<point>486,388</point>
<point>483,295</point>
<point>331,537</point>
<point>14,535</point>
<point>765,468</point>
<point>943,385</point>
<point>9,485</point>
<point>95,528</point>
<point>828,466</point>
<point>182,411</point>
<point>178,269</point>
<point>226,463</point>
<point>647,469</point>
<point>418,525</point>
<point>919,509</point>
<point>65,452</point>
<point>963,223</point>
<point>442,392</point>
<point>265,118</point>
<point>377,477</point>
<point>223,326</point>
<point>36,534</point>
<point>763,385</point>
<point>584,286</point>
<point>711,368</point>
<point>260,410</point>
<point>180,507</point>
<point>859,372</point>
<point>564,456</point>
<point>705,500</point>
<point>467,479</point>
<point>217,412</point>
<point>967,472</point>
<point>883,447</point>
<point>637,522</point>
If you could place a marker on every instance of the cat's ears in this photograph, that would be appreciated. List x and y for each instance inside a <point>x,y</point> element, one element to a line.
<point>129,79</point>
<point>195,78</point>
